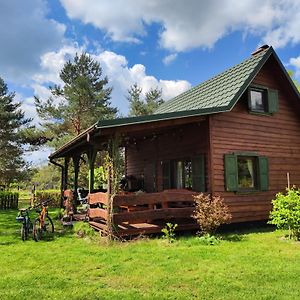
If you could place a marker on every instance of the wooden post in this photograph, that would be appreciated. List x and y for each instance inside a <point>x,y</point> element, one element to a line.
<point>76,160</point>
<point>64,178</point>
<point>288,180</point>
<point>91,154</point>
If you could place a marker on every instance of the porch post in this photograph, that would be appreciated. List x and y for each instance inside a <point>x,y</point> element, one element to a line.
<point>91,154</point>
<point>76,160</point>
<point>64,180</point>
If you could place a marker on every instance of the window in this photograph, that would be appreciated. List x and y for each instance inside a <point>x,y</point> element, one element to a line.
<point>181,177</point>
<point>262,100</point>
<point>246,172</point>
<point>184,174</point>
<point>258,100</point>
<point>247,168</point>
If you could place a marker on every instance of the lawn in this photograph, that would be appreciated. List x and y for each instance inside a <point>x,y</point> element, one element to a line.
<point>250,264</point>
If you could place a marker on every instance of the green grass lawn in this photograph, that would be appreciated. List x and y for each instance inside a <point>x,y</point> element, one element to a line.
<point>248,265</point>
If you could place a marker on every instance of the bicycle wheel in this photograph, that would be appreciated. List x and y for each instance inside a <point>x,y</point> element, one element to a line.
<point>24,233</point>
<point>37,231</point>
<point>48,227</point>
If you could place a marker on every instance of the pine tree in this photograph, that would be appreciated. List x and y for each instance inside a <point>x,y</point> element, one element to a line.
<point>12,120</point>
<point>147,106</point>
<point>80,102</point>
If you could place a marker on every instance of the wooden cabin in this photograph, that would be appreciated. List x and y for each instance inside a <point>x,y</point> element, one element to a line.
<point>236,135</point>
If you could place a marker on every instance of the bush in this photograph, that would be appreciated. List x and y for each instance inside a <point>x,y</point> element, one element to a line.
<point>208,239</point>
<point>210,213</point>
<point>83,229</point>
<point>54,197</point>
<point>286,212</point>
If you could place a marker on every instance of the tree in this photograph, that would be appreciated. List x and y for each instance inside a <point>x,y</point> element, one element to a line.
<point>297,84</point>
<point>139,106</point>
<point>80,102</point>
<point>12,121</point>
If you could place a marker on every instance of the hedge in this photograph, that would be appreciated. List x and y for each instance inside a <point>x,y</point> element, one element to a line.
<point>53,196</point>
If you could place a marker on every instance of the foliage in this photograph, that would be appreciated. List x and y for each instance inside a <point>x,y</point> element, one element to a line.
<point>46,177</point>
<point>54,197</point>
<point>80,102</point>
<point>12,121</point>
<point>210,212</point>
<point>169,232</point>
<point>286,212</point>
<point>100,176</point>
<point>297,84</point>
<point>83,229</point>
<point>72,268</point>
<point>139,106</point>
<point>208,239</point>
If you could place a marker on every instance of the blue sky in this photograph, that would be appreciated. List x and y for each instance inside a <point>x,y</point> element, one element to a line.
<point>170,44</point>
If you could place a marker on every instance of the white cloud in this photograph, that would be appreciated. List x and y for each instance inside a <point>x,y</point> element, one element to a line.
<point>25,34</point>
<point>187,25</point>
<point>122,76</point>
<point>115,66</point>
<point>169,58</point>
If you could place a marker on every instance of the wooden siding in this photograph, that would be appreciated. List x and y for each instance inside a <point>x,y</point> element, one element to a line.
<point>144,158</point>
<point>276,136</point>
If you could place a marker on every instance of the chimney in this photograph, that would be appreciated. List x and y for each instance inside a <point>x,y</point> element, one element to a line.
<point>260,49</point>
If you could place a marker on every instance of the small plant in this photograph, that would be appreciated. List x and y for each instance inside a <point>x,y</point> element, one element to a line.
<point>208,239</point>
<point>169,232</point>
<point>210,213</point>
<point>83,229</point>
<point>286,212</point>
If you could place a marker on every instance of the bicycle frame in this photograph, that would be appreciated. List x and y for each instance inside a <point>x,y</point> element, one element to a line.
<point>43,214</point>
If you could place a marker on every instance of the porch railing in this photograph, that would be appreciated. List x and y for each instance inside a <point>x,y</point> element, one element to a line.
<point>132,214</point>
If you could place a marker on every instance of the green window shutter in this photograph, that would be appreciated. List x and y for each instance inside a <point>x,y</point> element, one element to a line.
<point>166,170</point>
<point>272,101</point>
<point>263,168</point>
<point>198,173</point>
<point>231,172</point>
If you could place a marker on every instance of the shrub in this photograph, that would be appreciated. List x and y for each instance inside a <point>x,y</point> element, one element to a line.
<point>208,239</point>
<point>286,212</point>
<point>83,229</point>
<point>169,232</point>
<point>54,197</point>
<point>210,213</point>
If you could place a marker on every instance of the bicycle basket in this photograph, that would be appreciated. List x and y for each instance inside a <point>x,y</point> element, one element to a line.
<point>20,218</point>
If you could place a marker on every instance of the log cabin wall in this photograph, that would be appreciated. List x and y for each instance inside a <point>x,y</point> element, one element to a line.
<point>276,137</point>
<point>182,142</point>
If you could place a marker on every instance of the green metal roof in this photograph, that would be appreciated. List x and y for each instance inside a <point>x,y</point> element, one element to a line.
<point>219,92</point>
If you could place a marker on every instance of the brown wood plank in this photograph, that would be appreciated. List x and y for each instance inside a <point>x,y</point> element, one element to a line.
<point>153,214</point>
<point>97,213</point>
<point>95,198</point>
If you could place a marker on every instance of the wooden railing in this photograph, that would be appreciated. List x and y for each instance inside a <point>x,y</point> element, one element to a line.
<point>142,213</point>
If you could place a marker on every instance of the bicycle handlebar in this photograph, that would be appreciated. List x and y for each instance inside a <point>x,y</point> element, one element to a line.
<point>43,203</point>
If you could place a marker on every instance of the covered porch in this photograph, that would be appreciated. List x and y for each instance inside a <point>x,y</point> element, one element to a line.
<point>165,163</point>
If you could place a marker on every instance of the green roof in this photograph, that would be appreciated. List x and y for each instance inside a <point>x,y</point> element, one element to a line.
<point>220,92</point>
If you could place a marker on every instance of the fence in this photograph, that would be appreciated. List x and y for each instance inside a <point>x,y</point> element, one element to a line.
<point>9,200</point>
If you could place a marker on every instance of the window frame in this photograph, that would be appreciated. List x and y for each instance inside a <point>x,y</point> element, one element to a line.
<point>264,92</point>
<point>270,99</point>
<point>231,172</point>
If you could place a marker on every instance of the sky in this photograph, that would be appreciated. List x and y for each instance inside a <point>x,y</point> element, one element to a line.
<point>169,44</point>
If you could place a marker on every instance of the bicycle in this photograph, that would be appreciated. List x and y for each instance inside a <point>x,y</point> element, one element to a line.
<point>27,226</point>
<point>43,224</point>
